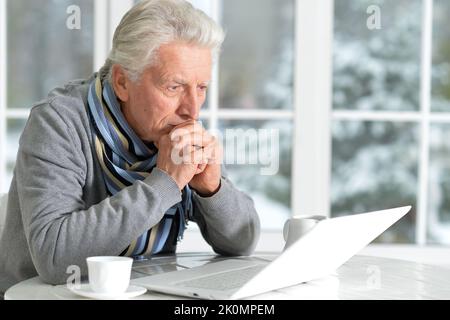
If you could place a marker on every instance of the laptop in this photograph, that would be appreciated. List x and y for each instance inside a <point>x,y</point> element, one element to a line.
<point>317,254</point>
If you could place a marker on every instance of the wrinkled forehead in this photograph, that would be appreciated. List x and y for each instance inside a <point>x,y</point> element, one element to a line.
<point>183,63</point>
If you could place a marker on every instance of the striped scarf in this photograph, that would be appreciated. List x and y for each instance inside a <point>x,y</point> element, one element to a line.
<point>124,159</point>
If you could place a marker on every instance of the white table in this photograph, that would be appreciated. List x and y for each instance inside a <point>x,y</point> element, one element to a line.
<point>362,277</point>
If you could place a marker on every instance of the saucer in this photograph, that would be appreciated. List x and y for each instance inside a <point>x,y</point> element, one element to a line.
<point>86,291</point>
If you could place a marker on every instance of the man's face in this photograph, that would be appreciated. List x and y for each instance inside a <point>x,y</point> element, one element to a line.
<point>170,92</point>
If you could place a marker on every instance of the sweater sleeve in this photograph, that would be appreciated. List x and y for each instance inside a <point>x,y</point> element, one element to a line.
<point>60,230</point>
<point>228,220</point>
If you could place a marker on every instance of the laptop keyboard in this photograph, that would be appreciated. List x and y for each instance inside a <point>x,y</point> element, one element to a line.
<point>224,280</point>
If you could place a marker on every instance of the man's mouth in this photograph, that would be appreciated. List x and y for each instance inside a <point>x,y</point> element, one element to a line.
<point>168,128</point>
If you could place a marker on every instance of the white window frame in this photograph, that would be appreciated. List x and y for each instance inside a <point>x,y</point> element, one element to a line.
<point>3,90</point>
<point>101,32</point>
<point>107,15</point>
<point>313,93</point>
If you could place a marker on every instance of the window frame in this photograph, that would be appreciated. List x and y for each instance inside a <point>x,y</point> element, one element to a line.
<point>311,171</point>
<point>3,90</point>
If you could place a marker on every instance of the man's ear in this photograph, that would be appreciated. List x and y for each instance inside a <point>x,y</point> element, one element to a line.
<point>120,83</point>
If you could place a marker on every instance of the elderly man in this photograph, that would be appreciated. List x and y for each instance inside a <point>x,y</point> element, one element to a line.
<point>97,170</point>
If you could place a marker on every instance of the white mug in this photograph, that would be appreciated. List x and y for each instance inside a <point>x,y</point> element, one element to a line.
<point>109,275</point>
<point>297,227</point>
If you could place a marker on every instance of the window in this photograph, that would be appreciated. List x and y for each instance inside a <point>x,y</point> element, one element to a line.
<point>254,92</point>
<point>390,103</point>
<point>362,113</point>
<point>438,208</point>
<point>375,162</point>
<point>246,93</point>
<point>257,93</point>
<point>41,53</point>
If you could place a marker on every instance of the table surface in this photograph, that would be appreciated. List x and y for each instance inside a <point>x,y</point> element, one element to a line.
<point>362,277</point>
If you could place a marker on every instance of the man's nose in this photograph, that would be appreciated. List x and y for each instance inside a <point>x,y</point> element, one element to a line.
<point>190,105</point>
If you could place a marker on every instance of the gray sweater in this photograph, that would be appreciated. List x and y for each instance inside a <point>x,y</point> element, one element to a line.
<point>59,212</point>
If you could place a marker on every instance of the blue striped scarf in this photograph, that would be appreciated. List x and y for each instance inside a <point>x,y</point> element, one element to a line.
<point>124,159</point>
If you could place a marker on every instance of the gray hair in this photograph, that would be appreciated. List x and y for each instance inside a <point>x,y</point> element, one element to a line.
<point>153,23</point>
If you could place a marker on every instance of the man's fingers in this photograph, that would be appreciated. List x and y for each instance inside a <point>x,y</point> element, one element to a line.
<point>192,155</point>
<point>207,155</point>
<point>192,144</point>
<point>211,151</point>
<point>194,139</point>
<point>214,154</point>
<point>186,128</point>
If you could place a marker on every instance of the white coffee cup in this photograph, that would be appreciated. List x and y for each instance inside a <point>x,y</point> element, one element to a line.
<point>109,275</point>
<point>297,227</point>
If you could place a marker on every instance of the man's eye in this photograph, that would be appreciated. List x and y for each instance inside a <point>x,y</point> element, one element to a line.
<point>203,88</point>
<point>174,88</point>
